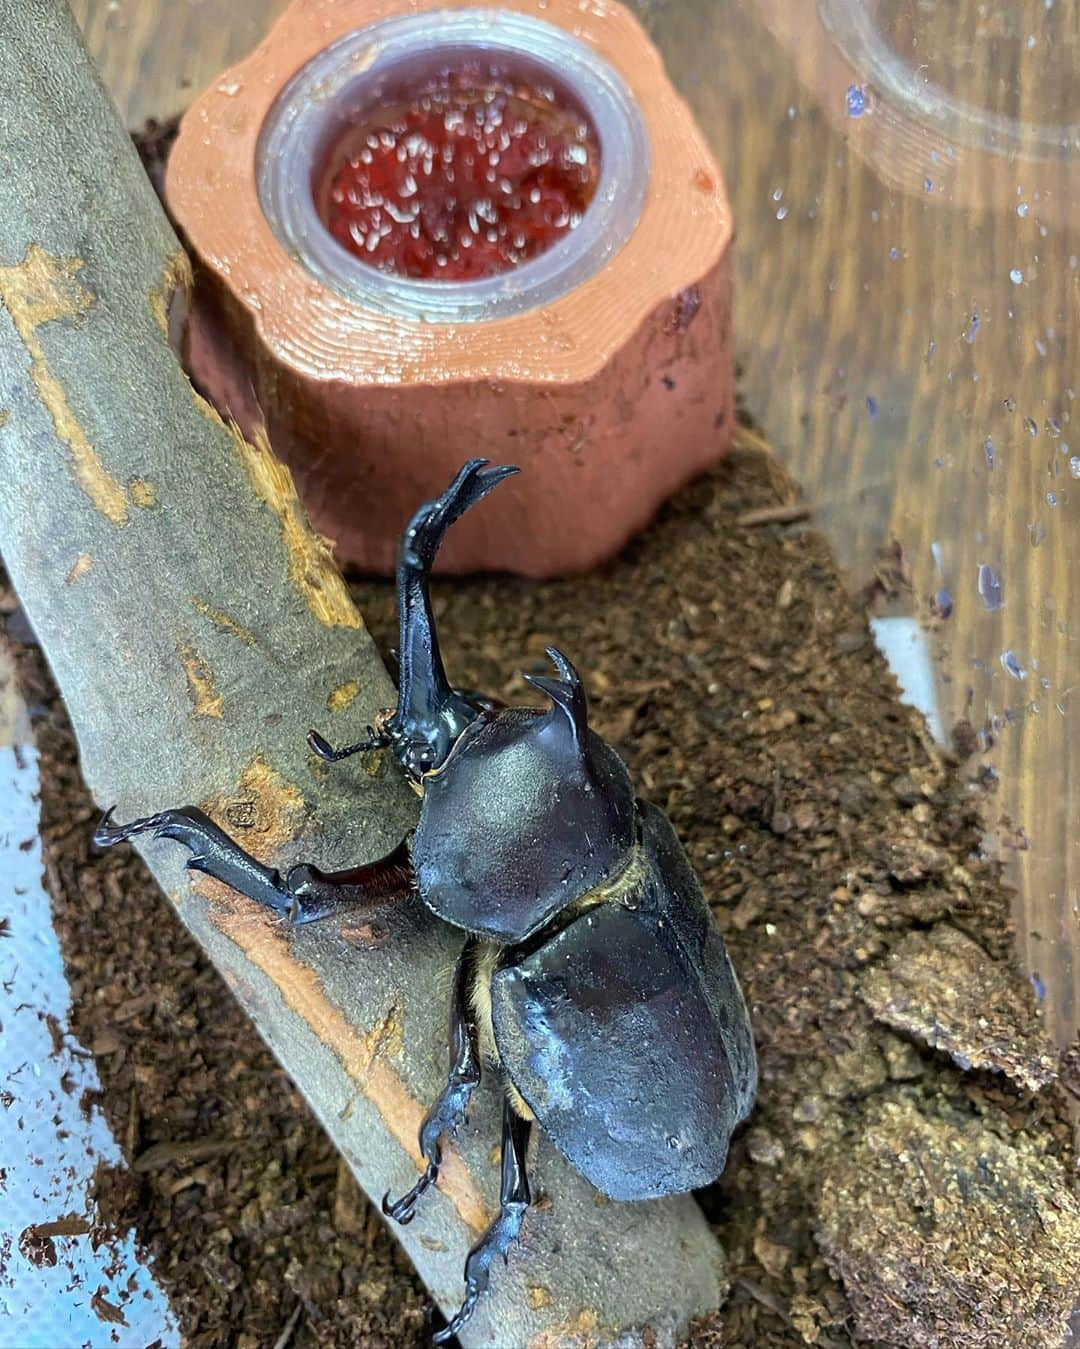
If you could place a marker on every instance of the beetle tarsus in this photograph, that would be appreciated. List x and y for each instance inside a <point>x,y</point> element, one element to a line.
<point>428,527</point>
<point>464,1312</point>
<point>450,1107</point>
<point>213,852</point>
<point>514,1199</point>
<point>326,751</point>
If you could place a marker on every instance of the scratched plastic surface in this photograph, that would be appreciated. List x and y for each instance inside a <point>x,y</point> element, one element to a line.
<point>58,1291</point>
<point>912,173</point>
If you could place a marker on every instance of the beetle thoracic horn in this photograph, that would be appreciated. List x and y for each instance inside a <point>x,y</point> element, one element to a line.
<point>567,694</point>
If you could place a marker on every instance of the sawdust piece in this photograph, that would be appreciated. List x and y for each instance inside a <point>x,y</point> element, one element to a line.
<point>940,987</point>
<point>311,558</point>
<point>143,493</point>
<point>79,567</point>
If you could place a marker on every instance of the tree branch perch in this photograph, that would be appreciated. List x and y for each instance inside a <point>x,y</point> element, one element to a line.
<point>196,627</point>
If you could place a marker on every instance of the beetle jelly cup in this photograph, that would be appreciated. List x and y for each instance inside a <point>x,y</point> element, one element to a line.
<point>585,332</point>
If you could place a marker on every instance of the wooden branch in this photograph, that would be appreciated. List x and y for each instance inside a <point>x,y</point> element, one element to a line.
<point>196,627</point>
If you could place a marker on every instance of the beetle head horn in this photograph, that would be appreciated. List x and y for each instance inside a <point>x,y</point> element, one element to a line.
<point>567,694</point>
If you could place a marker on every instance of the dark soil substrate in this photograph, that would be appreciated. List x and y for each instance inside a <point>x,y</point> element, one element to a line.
<point>729,667</point>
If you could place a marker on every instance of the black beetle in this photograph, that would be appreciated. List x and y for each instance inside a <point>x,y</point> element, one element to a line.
<point>592,978</point>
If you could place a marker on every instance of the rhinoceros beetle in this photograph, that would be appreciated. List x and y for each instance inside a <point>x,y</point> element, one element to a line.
<point>591,980</point>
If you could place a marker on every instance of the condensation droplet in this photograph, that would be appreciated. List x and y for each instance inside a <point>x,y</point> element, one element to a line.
<point>1011,665</point>
<point>856,100</point>
<point>990,588</point>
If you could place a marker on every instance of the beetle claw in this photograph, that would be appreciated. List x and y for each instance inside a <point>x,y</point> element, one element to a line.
<point>403,1210</point>
<point>107,834</point>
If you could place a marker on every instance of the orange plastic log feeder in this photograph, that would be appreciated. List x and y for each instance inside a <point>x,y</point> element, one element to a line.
<point>428,231</point>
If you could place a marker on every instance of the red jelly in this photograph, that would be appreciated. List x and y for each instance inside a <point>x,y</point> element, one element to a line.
<point>472,175</point>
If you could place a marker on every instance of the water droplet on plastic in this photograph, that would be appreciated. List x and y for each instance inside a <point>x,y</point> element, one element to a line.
<point>856,100</point>
<point>1011,665</point>
<point>990,589</point>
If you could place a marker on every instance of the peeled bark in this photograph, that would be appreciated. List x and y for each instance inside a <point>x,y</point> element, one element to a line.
<point>196,627</point>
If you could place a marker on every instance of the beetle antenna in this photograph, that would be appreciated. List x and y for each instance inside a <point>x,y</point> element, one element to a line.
<point>567,694</point>
<point>326,751</point>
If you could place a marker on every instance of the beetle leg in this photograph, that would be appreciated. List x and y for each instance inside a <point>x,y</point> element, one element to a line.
<point>428,709</point>
<point>304,894</point>
<point>449,1110</point>
<point>320,894</point>
<point>514,1198</point>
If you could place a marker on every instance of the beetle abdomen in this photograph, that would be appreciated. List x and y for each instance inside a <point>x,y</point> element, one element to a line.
<point>519,822</point>
<point>627,1033</point>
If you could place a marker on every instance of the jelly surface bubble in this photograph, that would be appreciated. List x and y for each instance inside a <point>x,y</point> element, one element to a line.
<point>470,176</point>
